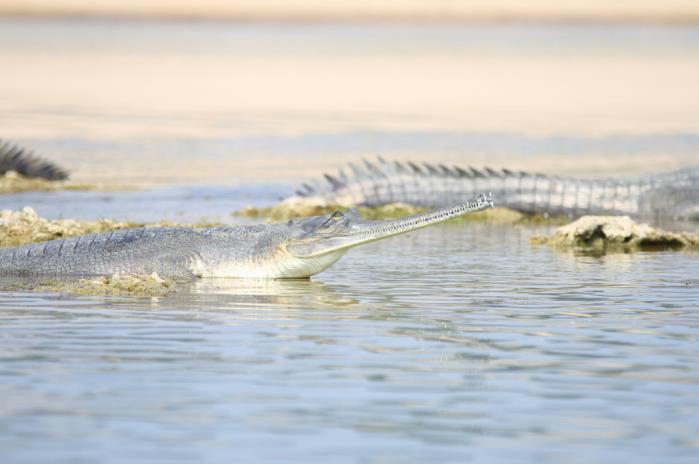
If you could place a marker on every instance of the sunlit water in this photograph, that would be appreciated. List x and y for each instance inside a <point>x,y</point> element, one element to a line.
<point>451,344</point>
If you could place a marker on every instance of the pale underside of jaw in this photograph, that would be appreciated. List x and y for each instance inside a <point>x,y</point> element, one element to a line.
<point>278,265</point>
<point>334,245</point>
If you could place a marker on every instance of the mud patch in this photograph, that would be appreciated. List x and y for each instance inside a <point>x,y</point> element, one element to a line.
<point>615,234</point>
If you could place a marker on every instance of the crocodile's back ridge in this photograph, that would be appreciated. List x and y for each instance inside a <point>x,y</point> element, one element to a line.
<point>671,194</point>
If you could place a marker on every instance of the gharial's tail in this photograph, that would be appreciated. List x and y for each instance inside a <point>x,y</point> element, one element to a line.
<point>429,185</point>
<point>25,162</point>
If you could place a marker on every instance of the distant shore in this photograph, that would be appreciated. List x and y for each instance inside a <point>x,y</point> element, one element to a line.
<point>413,11</point>
<point>158,102</point>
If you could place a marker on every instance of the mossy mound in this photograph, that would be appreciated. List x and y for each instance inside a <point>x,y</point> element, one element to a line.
<point>128,285</point>
<point>299,207</point>
<point>12,182</point>
<point>117,285</point>
<point>25,226</point>
<point>291,208</point>
<point>616,233</point>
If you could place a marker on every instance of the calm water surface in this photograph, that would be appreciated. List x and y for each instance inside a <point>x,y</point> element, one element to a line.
<point>452,344</point>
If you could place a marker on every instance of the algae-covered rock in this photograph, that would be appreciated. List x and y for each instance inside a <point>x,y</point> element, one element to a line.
<point>123,285</point>
<point>291,208</point>
<point>389,211</point>
<point>616,233</point>
<point>491,215</point>
<point>118,285</point>
<point>12,182</point>
<point>299,207</point>
<point>26,226</point>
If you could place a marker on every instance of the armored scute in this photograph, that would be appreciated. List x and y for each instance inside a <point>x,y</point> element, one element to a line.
<point>671,195</point>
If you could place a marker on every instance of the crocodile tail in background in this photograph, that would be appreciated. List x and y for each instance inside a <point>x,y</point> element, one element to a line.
<point>26,163</point>
<point>667,195</point>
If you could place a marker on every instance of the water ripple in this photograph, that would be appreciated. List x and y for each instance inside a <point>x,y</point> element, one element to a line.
<point>427,346</point>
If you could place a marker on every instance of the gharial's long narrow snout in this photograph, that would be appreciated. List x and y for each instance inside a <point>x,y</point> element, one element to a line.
<point>361,231</point>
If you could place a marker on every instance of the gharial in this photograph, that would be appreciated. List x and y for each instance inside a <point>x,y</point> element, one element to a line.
<point>670,195</point>
<point>23,161</point>
<point>295,249</point>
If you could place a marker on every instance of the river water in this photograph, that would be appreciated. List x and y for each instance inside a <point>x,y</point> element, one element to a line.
<point>456,343</point>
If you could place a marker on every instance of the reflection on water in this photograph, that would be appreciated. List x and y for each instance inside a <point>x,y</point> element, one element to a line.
<point>267,293</point>
<point>455,343</point>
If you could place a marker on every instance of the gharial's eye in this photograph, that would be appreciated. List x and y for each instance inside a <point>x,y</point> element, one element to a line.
<point>334,217</point>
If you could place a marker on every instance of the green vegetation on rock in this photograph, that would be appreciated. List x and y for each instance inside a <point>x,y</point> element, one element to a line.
<point>615,233</point>
<point>297,207</point>
<point>12,182</point>
<point>117,285</point>
<point>26,226</point>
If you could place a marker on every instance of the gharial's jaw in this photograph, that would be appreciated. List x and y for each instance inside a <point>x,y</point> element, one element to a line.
<point>278,265</point>
<point>360,232</point>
